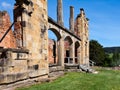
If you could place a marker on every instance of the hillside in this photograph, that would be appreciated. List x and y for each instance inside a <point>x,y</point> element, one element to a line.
<point>112,49</point>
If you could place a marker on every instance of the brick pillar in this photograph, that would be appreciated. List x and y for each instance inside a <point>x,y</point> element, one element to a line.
<point>17,26</point>
<point>71,19</point>
<point>59,12</point>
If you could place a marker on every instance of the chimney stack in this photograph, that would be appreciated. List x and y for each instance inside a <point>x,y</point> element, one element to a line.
<point>59,12</point>
<point>71,19</point>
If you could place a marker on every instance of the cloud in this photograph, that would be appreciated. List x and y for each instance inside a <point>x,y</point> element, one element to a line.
<point>6,5</point>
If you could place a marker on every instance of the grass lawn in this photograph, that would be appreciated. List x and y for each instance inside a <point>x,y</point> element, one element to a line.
<point>105,80</point>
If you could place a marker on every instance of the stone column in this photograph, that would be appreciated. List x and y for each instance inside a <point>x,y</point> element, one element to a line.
<point>83,55</point>
<point>79,55</point>
<point>86,59</point>
<point>59,12</point>
<point>87,39</point>
<point>61,52</point>
<point>88,52</point>
<point>72,52</point>
<point>9,57</point>
<point>71,19</point>
<point>24,23</point>
<point>82,36</point>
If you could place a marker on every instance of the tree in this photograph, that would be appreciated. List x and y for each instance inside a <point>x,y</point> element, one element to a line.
<point>97,53</point>
<point>107,61</point>
<point>116,58</point>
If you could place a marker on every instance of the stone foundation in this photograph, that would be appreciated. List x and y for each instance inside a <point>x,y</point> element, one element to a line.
<point>56,71</point>
<point>15,66</point>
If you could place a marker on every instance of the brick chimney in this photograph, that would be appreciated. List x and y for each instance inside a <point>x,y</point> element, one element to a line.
<point>59,12</point>
<point>71,19</point>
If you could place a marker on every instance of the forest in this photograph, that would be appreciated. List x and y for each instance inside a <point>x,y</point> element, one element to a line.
<point>108,56</point>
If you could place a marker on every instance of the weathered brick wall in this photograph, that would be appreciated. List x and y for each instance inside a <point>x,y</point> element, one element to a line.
<point>53,59</point>
<point>50,51</point>
<point>66,47</point>
<point>9,40</point>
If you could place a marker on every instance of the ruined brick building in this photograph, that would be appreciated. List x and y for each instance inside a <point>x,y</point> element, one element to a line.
<point>9,40</point>
<point>26,53</point>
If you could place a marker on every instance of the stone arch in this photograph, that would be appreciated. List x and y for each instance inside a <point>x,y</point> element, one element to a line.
<point>68,45</point>
<point>69,39</point>
<point>53,47</point>
<point>58,35</point>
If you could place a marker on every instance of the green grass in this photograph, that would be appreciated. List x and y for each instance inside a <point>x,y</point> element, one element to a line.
<point>105,80</point>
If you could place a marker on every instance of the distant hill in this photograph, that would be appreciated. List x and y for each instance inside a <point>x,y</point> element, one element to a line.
<point>112,49</point>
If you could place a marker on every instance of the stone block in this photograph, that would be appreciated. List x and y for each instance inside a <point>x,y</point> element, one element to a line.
<point>2,79</point>
<point>39,72</point>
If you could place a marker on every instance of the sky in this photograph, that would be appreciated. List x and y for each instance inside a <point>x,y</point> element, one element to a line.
<point>104,15</point>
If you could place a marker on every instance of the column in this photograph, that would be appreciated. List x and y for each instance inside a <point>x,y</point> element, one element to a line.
<point>72,52</point>
<point>71,19</point>
<point>59,12</point>
<point>79,55</point>
<point>61,52</point>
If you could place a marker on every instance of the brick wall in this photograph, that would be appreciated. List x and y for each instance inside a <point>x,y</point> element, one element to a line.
<point>50,48</point>
<point>9,40</point>
<point>51,57</point>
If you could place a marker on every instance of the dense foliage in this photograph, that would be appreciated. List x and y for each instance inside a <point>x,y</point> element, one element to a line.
<point>97,53</point>
<point>109,57</point>
<point>112,58</point>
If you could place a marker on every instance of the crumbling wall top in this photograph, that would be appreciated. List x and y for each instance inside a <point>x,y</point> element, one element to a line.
<point>2,13</point>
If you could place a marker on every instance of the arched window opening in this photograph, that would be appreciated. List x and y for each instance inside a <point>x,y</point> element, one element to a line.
<point>53,38</point>
<point>77,49</point>
<point>68,46</point>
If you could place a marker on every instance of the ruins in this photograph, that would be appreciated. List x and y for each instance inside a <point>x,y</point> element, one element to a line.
<point>26,53</point>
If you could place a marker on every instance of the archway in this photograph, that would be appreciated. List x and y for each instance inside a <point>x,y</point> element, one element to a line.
<point>77,51</point>
<point>53,39</point>
<point>68,50</point>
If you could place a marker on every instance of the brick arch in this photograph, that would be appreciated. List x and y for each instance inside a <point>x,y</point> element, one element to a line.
<point>58,35</point>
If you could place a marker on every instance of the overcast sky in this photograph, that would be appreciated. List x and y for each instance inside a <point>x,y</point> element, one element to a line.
<point>104,15</point>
